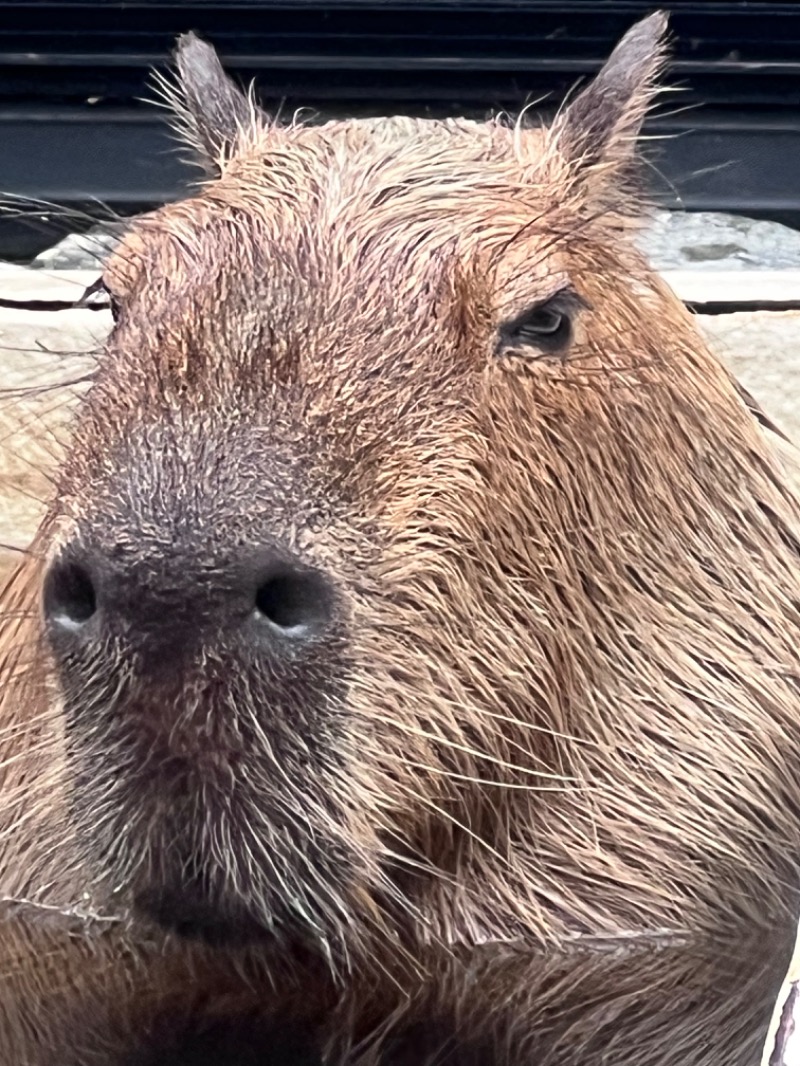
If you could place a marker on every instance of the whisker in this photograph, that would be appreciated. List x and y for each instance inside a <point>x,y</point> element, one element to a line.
<point>426,801</point>
<point>466,749</point>
<point>507,785</point>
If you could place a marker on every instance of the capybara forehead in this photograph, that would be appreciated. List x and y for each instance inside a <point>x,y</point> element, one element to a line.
<point>375,214</point>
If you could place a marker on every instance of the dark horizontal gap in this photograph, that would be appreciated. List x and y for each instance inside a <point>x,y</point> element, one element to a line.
<point>732,34</point>
<point>698,308</point>
<point>344,94</point>
<point>492,7</point>
<point>712,7</point>
<point>51,305</point>
<point>94,91</point>
<point>375,60</point>
<point>725,307</point>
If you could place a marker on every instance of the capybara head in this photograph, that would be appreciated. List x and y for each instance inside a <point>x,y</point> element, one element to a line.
<point>414,570</point>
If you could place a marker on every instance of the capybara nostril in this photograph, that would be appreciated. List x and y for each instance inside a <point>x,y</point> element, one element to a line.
<point>297,603</point>
<point>70,597</point>
<point>156,593</point>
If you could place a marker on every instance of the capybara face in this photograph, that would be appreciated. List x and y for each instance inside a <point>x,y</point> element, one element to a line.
<point>414,567</point>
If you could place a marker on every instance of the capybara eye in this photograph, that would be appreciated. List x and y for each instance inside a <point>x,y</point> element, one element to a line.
<point>546,326</point>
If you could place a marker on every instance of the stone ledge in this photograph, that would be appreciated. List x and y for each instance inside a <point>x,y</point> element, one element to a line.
<point>22,283</point>
<point>762,348</point>
<point>734,287</point>
<point>707,241</point>
<point>43,357</point>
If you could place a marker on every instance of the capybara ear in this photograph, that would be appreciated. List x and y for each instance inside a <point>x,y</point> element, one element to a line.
<point>210,111</point>
<point>602,123</point>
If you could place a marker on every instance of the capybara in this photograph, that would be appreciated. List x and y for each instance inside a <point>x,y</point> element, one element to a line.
<point>406,668</point>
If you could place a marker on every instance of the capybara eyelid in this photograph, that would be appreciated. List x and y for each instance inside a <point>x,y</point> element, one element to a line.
<point>553,331</point>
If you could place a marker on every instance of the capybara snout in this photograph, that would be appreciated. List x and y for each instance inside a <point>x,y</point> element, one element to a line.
<point>205,639</point>
<point>264,596</point>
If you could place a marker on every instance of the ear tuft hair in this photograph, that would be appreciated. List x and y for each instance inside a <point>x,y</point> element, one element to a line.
<point>209,111</point>
<point>603,122</point>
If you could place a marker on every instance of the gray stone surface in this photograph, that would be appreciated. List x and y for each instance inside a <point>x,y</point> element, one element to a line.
<point>64,286</point>
<point>709,241</point>
<point>762,348</point>
<point>82,251</point>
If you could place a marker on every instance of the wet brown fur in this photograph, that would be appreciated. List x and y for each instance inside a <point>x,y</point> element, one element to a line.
<point>564,772</point>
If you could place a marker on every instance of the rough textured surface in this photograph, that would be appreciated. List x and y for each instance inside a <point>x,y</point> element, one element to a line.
<point>19,284</point>
<point>81,251</point>
<point>42,360</point>
<point>711,241</point>
<point>763,350</point>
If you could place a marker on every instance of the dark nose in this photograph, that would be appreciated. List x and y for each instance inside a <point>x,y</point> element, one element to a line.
<point>269,592</point>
